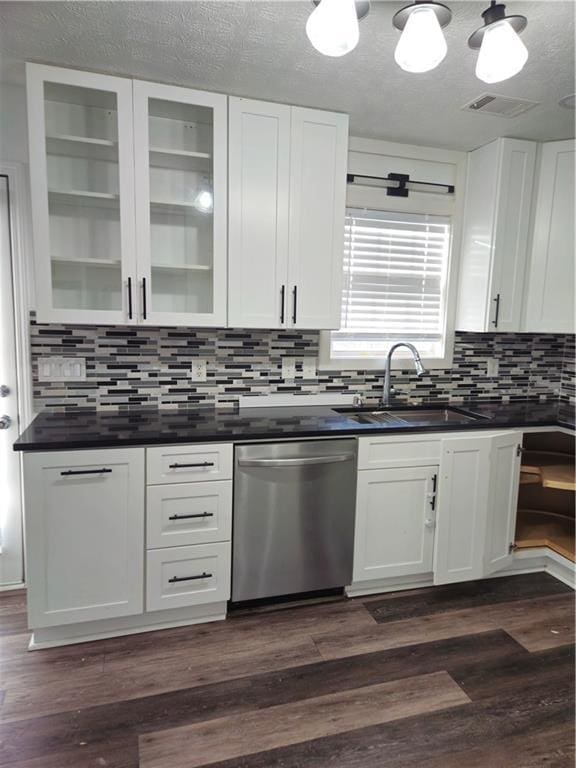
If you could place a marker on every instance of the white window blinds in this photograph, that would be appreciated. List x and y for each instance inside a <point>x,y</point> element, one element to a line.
<point>395,267</point>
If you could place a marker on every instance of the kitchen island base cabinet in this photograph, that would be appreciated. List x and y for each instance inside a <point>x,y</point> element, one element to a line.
<point>84,535</point>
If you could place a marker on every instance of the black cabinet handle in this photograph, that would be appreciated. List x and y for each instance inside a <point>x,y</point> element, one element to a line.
<point>282,302</point>
<point>295,300</point>
<point>198,464</point>
<point>433,499</point>
<point>130,298</point>
<point>495,321</point>
<point>186,517</point>
<point>144,311</point>
<point>175,579</point>
<point>102,471</point>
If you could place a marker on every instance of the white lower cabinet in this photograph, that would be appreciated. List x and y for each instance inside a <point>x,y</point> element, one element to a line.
<point>108,554</point>
<point>395,522</point>
<point>84,535</point>
<point>183,576</point>
<point>453,519</point>
<point>189,526</point>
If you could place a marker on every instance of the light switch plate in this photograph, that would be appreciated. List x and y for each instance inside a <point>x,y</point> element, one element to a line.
<point>198,370</point>
<point>309,368</point>
<point>288,368</point>
<point>62,369</point>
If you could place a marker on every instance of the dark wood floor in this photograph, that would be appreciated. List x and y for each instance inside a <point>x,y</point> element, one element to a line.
<point>479,675</point>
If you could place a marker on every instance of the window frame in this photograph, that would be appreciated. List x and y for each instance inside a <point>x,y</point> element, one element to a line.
<point>418,203</point>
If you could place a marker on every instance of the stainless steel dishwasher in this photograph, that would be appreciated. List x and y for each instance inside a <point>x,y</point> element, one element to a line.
<point>294,509</point>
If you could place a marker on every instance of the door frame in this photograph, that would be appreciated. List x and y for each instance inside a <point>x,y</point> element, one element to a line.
<point>22,291</point>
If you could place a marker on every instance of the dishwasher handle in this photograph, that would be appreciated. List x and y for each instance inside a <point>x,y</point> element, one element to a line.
<point>303,462</point>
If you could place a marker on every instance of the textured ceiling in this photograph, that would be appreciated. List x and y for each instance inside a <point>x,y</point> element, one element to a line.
<point>260,50</point>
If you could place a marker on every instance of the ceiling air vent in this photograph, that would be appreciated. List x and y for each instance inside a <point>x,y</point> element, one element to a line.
<point>500,106</point>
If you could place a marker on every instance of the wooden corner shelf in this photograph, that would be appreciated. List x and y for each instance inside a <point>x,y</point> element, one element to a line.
<point>538,528</point>
<point>549,469</point>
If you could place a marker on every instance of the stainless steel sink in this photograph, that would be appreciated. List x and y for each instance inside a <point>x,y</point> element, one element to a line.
<point>415,415</point>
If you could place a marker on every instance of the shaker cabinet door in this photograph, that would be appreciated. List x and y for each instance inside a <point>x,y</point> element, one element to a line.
<point>462,509</point>
<point>84,535</point>
<point>395,521</point>
<point>550,303</point>
<point>259,168</point>
<point>317,211</point>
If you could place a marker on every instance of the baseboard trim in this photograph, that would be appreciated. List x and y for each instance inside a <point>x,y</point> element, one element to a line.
<point>362,588</point>
<point>51,637</point>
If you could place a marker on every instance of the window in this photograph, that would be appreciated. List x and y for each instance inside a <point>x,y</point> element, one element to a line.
<point>394,287</point>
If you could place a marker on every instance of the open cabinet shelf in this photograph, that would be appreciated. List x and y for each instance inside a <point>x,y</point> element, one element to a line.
<point>540,528</point>
<point>63,137</point>
<point>180,152</point>
<point>546,495</point>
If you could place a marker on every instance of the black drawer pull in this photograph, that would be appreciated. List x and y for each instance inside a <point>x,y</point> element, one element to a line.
<point>86,471</point>
<point>175,579</point>
<point>198,464</point>
<point>186,517</point>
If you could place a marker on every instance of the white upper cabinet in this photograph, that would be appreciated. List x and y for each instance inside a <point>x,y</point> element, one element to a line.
<point>259,168</point>
<point>550,301</point>
<point>180,147</point>
<point>495,236</point>
<point>129,195</point>
<point>82,187</point>
<point>287,178</point>
<point>319,159</point>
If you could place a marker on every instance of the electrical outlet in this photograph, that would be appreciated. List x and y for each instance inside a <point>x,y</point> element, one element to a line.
<point>61,369</point>
<point>309,368</point>
<point>492,367</point>
<point>288,368</point>
<point>198,370</point>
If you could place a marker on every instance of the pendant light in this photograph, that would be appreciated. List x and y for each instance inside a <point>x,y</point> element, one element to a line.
<point>422,45</point>
<point>332,27</point>
<point>502,52</point>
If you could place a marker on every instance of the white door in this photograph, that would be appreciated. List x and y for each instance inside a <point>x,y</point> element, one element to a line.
<point>180,141</point>
<point>550,303</point>
<point>11,566</point>
<point>82,188</point>
<point>502,501</point>
<point>317,209</point>
<point>463,493</point>
<point>395,520</point>
<point>84,535</point>
<point>259,179</point>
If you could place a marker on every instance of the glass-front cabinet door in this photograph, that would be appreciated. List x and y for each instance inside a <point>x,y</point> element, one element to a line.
<point>181,205</point>
<point>82,187</point>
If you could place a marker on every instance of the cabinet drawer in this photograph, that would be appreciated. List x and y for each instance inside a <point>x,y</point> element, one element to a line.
<point>398,451</point>
<point>188,513</point>
<point>189,463</point>
<point>183,576</point>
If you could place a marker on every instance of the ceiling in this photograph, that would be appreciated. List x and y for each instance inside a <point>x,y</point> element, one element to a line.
<point>260,50</point>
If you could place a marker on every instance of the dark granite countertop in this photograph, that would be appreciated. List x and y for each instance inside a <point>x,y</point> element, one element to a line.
<point>101,429</point>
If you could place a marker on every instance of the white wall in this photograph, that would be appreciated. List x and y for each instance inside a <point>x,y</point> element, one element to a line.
<point>13,124</point>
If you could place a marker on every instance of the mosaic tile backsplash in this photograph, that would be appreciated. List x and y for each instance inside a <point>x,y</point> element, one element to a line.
<point>150,367</point>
